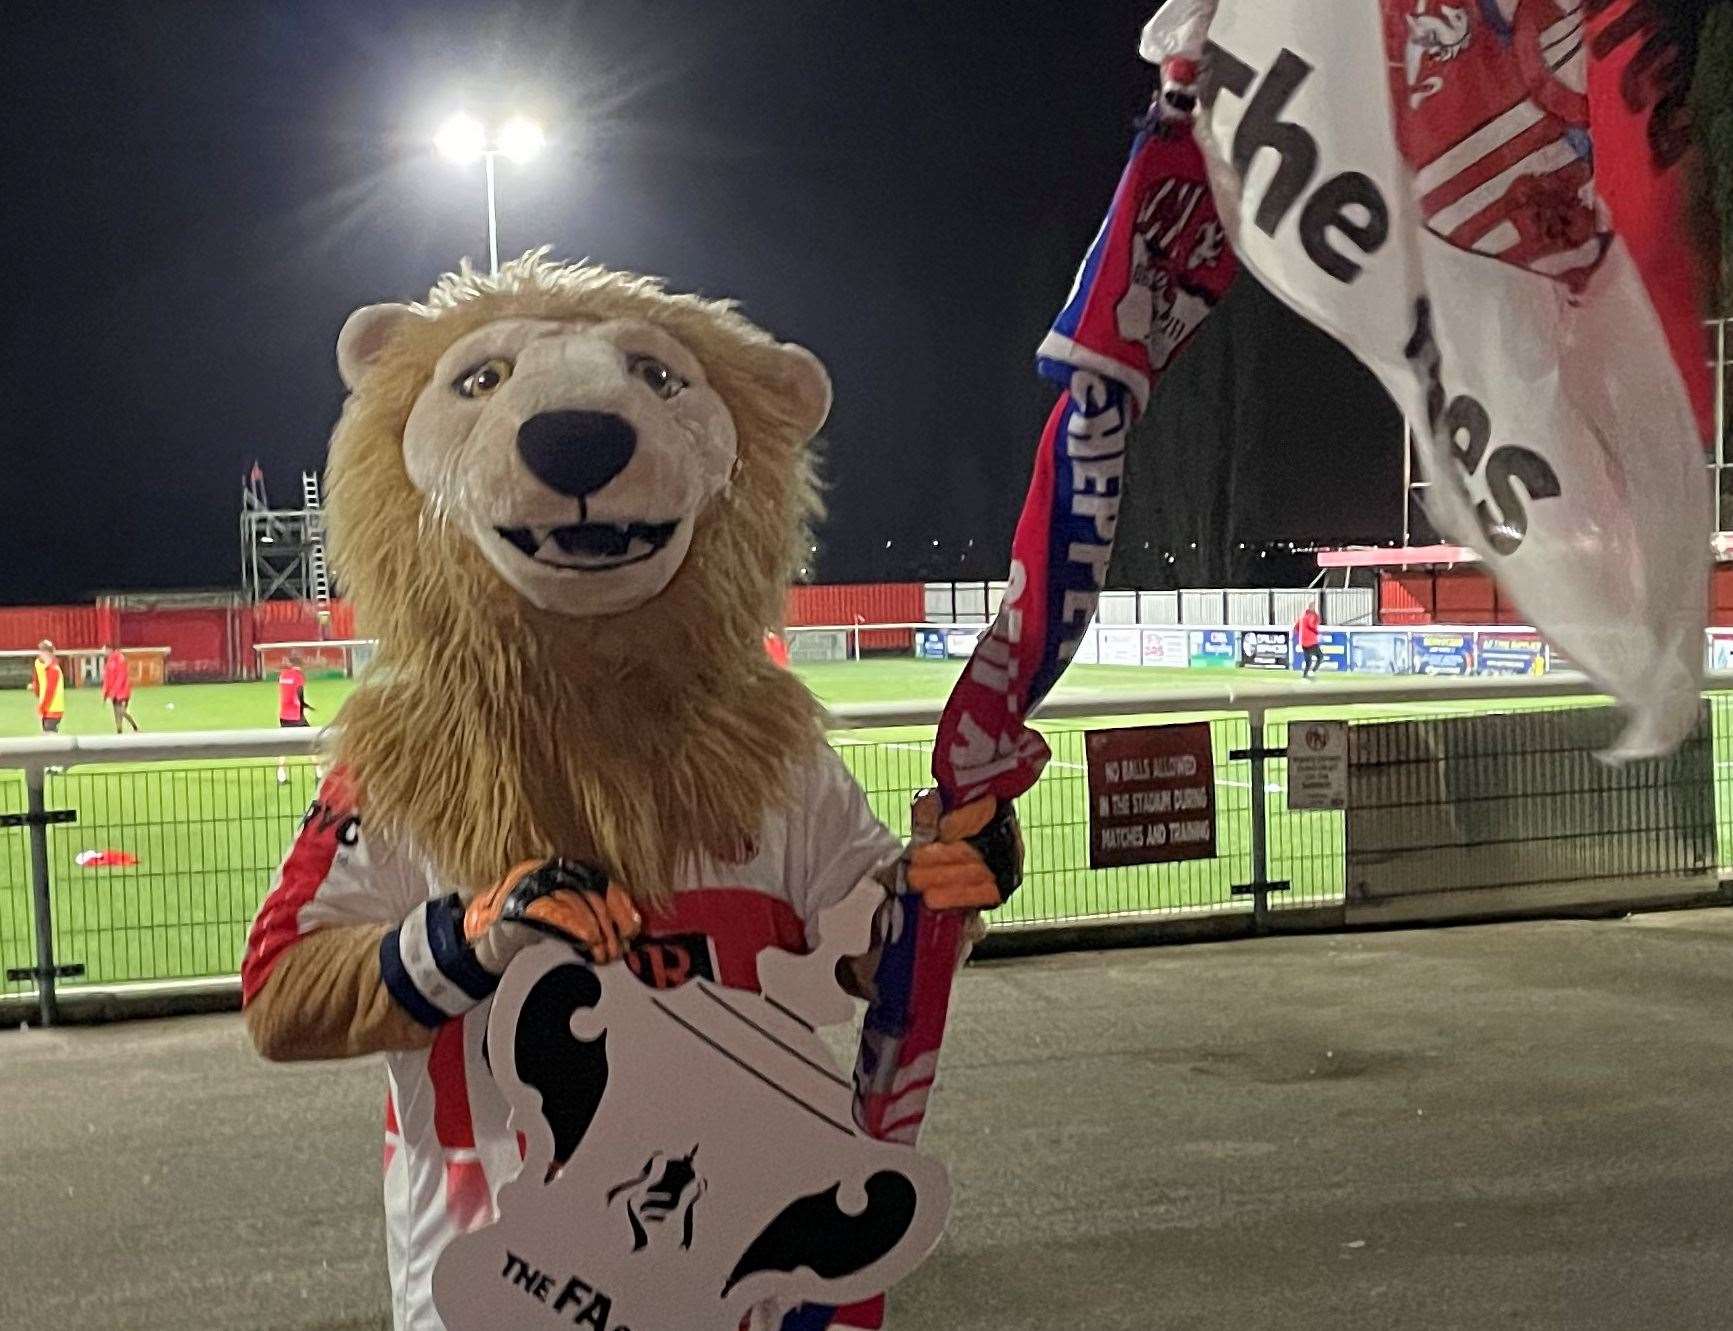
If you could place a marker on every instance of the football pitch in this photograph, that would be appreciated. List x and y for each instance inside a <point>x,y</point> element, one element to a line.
<point>207,835</point>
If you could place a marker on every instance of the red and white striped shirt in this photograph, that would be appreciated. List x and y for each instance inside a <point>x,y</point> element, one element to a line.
<point>447,1147</point>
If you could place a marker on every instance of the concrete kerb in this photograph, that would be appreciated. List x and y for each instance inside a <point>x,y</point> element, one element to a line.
<point>96,1004</point>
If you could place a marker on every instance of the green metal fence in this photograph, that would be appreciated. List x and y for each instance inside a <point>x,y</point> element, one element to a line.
<point>207,820</point>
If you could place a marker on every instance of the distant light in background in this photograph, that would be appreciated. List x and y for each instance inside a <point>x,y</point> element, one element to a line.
<point>462,138</point>
<point>521,139</point>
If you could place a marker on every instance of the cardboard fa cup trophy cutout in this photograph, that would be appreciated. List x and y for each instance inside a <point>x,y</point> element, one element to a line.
<point>690,1153</point>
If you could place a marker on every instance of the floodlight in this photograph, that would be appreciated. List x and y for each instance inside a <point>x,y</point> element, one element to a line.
<point>461,138</point>
<point>521,139</point>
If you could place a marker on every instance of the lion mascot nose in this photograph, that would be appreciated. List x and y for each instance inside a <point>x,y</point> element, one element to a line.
<point>576,452</point>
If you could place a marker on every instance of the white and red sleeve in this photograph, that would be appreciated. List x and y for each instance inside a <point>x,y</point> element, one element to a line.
<point>837,839</point>
<point>335,876</point>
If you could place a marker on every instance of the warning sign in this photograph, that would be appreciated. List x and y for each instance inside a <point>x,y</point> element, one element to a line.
<point>1317,764</point>
<point>1151,795</point>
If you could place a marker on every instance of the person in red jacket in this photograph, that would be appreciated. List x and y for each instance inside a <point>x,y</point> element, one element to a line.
<point>1306,634</point>
<point>292,708</point>
<point>776,648</point>
<point>117,687</point>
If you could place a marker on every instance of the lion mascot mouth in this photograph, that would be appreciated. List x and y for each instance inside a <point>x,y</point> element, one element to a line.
<point>564,501</point>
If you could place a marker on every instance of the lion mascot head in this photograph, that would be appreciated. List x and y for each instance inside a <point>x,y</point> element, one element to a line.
<point>566,502</point>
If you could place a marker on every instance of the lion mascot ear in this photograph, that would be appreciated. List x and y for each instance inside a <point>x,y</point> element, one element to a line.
<point>805,385</point>
<point>365,334</point>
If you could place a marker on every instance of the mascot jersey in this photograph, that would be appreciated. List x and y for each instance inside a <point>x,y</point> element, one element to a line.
<point>447,1147</point>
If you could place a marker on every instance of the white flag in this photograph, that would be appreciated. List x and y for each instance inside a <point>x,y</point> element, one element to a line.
<point>1418,178</point>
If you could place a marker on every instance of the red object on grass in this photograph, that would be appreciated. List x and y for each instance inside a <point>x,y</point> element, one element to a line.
<point>106,859</point>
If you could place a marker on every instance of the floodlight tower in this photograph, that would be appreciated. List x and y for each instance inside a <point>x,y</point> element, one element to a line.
<point>463,138</point>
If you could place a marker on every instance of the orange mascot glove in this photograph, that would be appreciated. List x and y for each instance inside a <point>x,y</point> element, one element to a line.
<point>968,859</point>
<point>559,898</point>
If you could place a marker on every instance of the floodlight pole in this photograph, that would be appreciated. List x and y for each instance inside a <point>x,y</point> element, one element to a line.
<point>1407,477</point>
<point>492,218</point>
<point>1721,421</point>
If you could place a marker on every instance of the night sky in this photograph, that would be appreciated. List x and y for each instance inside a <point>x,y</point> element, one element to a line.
<point>196,194</point>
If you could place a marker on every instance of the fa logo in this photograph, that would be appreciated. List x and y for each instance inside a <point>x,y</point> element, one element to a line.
<point>665,1194</point>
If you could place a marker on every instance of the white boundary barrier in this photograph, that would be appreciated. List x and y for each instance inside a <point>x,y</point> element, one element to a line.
<point>1255,697</point>
<point>1398,650</point>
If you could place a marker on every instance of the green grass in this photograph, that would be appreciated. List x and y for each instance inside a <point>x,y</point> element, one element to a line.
<point>209,834</point>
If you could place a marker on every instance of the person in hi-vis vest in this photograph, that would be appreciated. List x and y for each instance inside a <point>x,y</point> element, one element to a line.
<point>49,685</point>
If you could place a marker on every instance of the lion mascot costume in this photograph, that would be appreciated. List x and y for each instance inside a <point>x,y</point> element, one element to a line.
<point>566,502</point>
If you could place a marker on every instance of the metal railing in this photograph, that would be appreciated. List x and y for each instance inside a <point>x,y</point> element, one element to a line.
<point>207,821</point>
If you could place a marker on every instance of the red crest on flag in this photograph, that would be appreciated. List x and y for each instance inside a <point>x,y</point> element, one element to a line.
<point>1492,116</point>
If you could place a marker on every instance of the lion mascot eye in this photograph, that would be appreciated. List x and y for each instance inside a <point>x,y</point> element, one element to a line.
<point>663,382</point>
<point>484,379</point>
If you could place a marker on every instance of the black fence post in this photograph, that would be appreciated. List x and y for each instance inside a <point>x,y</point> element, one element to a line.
<point>37,808</point>
<point>1260,823</point>
<point>36,818</point>
<point>1256,753</point>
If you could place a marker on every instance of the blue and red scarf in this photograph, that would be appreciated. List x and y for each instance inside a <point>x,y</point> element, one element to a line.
<point>1158,265</point>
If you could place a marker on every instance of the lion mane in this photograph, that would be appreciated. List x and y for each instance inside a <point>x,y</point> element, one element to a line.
<point>486,731</point>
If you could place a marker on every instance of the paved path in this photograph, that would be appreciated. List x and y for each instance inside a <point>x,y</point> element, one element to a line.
<point>1520,1125</point>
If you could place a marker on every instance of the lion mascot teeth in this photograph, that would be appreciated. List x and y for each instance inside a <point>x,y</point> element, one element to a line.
<point>565,502</point>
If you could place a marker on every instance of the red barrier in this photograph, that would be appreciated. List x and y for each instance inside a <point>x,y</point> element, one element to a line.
<point>1721,596</point>
<point>1456,596</point>
<point>1405,598</point>
<point>860,603</point>
<point>63,625</point>
<point>296,621</point>
<point>200,640</point>
<point>216,642</point>
<point>844,603</point>
<point>1463,596</point>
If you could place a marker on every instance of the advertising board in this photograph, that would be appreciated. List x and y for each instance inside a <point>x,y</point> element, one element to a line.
<point>960,642</point>
<point>1120,646</point>
<point>1442,653</point>
<point>1264,649</point>
<point>1165,647</point>
<point>1213,649</point>
<point>1373,653</point>
<point>1510,654</point>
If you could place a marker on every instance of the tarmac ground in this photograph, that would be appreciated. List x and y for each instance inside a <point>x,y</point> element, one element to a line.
<point>1518,1125</point>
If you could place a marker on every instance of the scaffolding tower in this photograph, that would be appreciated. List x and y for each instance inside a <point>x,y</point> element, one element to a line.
<point>283,549</point>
